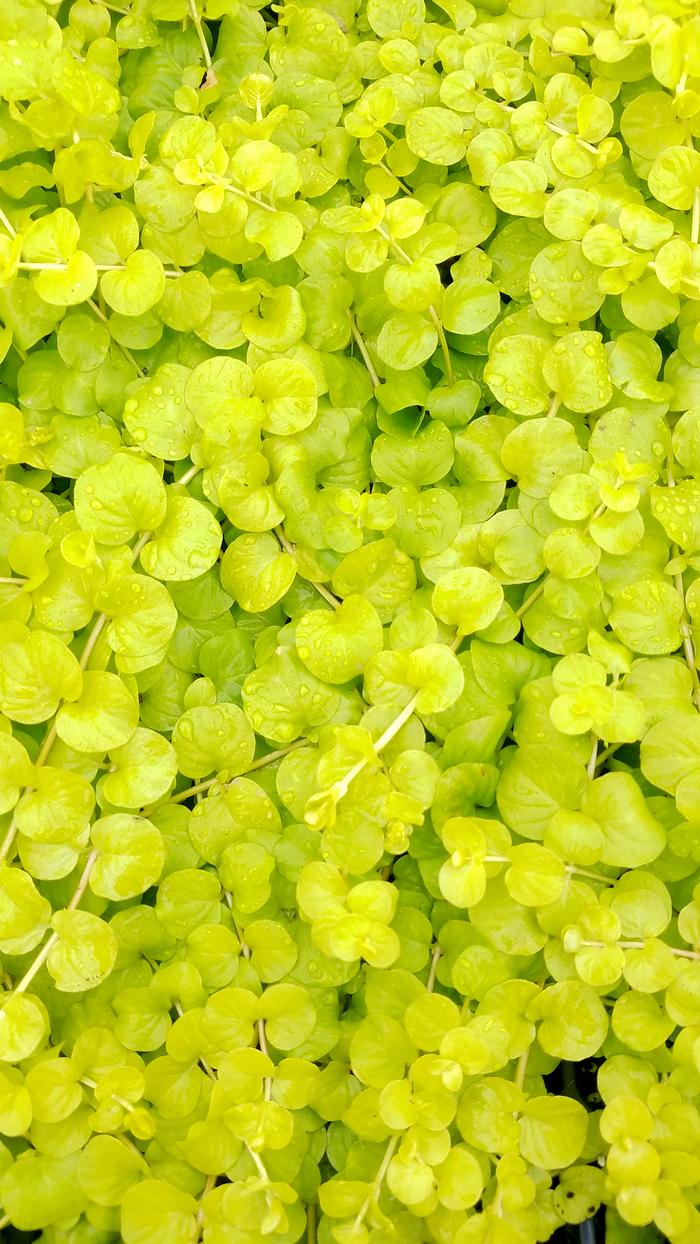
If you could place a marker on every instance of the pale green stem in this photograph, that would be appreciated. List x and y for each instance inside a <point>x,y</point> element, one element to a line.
<point>394,726</point>
<point>449,373</point>
<point>640,945</point>
<point>46,746</point>
<point>48,946</point>
<point>534,596</point>
<point>127,353</point>
<point>406,258</point>
<point>685,625</point>
<point>360,343</point>
<point>259,1164</point>
<point>50,739</point>
<point>142,542</point>
<point>11,833</point>
<point>189,474</point>
<point>197,23</point>
<point>92,639</point>
<point>582,142</point>
<point>327,596</point>
<point>311,1223</point>
<point>10,228</point>
<point>101,619</point>
<point>320,588</point>
<point>200,787</point>
<point>99,267</point>
<point>592,876</point>
<point>552,127</point>
<point>402,185</point>
<point>430,983</point>
<point>695,218</point>
<point>121,1101</point>
<point>262,1046</point>
<point>9,838</point>
<point>250,198</point>
<point>377,1182</point>
<point>570,868</point>
<point>209,1185</point>
<point>609,751</point>
<point>341,787</point>
<point>521,1069</point>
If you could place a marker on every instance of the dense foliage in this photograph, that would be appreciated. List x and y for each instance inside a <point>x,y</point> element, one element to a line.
<point>349,603</point>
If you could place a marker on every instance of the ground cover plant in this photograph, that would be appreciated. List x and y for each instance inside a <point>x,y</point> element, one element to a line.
<point>349,606</point>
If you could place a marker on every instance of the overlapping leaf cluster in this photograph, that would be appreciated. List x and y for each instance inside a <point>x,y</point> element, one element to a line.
<point>349,603</point>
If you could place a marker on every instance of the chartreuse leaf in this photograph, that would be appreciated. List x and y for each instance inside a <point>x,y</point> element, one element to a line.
<point>153,1205</point>
<point>15,771</point>
<point>108,1169</point>
<point>40,672</point>
<point>156,417</point>
<point>84,953</point>
<point>37,1191</point>
<point>209,738</point>
<point>71,285</point>
<point>186,544</point>
<point>142,770</point>
<point>104,715</point>
<point>136,289</point>
<point>577,371</point>
<point>287,391</point>
<point>552,1131</point>
<point>564,284</point>
<point>349,556</point>
<point>256,572</point>
<point>25,913</point>
<point>335,646</point>
<point>130,856</point>
<point>118,498</point>
<point>283,700</point>
<point>469,599</point>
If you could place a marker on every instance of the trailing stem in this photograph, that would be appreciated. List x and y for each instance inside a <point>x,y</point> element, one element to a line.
<point>311,1223</point>
<point>640,945</point>
<point>48,946</point>
<point>199,787</point>
<point>360,343</point>
<point>94,306</point>
<point>197,23</point>
<point>320,587</point>
<point>88,649</point>
<point>449,373</point>
<point>437,322</point>
<point>373,1194</point>
<point>534,596</point>
<point>435,958</point>
<point>685,626</point>
<point>315,809</point>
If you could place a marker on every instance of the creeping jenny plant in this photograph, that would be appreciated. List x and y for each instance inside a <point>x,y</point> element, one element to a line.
<point>349,608</point>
